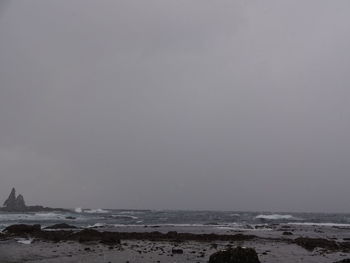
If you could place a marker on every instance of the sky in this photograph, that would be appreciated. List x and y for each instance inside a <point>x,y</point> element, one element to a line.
<point>186,104</point>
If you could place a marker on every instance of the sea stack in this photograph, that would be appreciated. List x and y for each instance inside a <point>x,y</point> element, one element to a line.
<point>17,204</point>
<point>13,203</point>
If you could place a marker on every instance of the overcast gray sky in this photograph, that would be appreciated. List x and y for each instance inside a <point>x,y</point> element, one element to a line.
<point>181,104</point>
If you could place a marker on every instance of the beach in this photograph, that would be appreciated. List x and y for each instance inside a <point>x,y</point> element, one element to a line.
<point>277,243</point>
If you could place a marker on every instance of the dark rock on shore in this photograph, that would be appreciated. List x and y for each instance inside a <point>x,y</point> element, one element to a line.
<point>88,235</point>
<point>61,226</point>
<point>177,251</point>
<point>345,246</point>
<point>312,243</point>
<point>22,229</point>
<point>235,255</point>
<point>106,237</point>
<point>347,260</point>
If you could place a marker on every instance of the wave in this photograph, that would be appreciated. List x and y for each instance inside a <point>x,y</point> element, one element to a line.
<point>131,212</point>
<point>96,211</point>
<point>13,217</point>
<point>244,228</point>
<point>320,224</point>
<point>276,217</point>
<point>78,210</point>
<point>31,217</point>
<point>25,241</point>
<point>235,215</point>
<point>48,215</point>
<point>97,225</point>
<point>125,216</point>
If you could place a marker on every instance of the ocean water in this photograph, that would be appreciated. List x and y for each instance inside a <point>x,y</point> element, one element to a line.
<point>219,219</point>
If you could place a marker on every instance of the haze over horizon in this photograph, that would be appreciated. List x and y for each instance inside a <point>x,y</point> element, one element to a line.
<point>225,105</point>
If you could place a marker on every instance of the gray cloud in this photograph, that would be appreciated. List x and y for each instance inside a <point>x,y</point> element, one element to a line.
<point>176,104</point>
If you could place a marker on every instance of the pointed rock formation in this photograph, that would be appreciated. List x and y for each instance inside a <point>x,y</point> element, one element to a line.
<point>17,204</point>
<point>11,200</point>
<point>13,203</point>
<point>20,203</point>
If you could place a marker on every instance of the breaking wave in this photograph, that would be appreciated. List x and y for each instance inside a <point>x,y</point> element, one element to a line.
<point>320,224</point>
<point>97,225</point>
<point>96,211</point>
<point>276,217</point>
<point>25,241</point>
<point>78,210</point>
<point>125,216</point>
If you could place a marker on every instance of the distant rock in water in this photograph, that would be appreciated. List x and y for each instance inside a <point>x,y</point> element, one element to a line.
<point>17,204</point>
<point>14,203</point>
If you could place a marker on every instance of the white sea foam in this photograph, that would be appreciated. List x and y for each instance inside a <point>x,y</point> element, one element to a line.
<point>78,210</point>
<point>235,215</point>
<point>276,217</point>
<point>131,212</point>
<point>125,216</point>
<point>243,228</point>
<point>320,224</point>
<point>96,211</point>
<point>25,241</point>
<point>97,225</point>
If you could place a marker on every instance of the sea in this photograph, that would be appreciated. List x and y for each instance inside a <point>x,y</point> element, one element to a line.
<point>156,218</point>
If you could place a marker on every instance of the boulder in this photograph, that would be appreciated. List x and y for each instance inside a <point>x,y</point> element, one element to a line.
<point>347,260</point>
<point>235,255</point>
<point>110,238</point>
<point>177,251</point>
<point>87,235</point>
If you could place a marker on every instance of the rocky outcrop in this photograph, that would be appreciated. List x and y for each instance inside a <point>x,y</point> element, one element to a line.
<point>11,200</point>
<point>22,229</point>
<point>312,243</point>
<point>105,237</point>
<point>13,203</point>
<point>17,204</point>
<point>235,255</point>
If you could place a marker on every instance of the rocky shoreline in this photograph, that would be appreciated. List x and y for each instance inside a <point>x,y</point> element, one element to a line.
<point>147,246</point>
